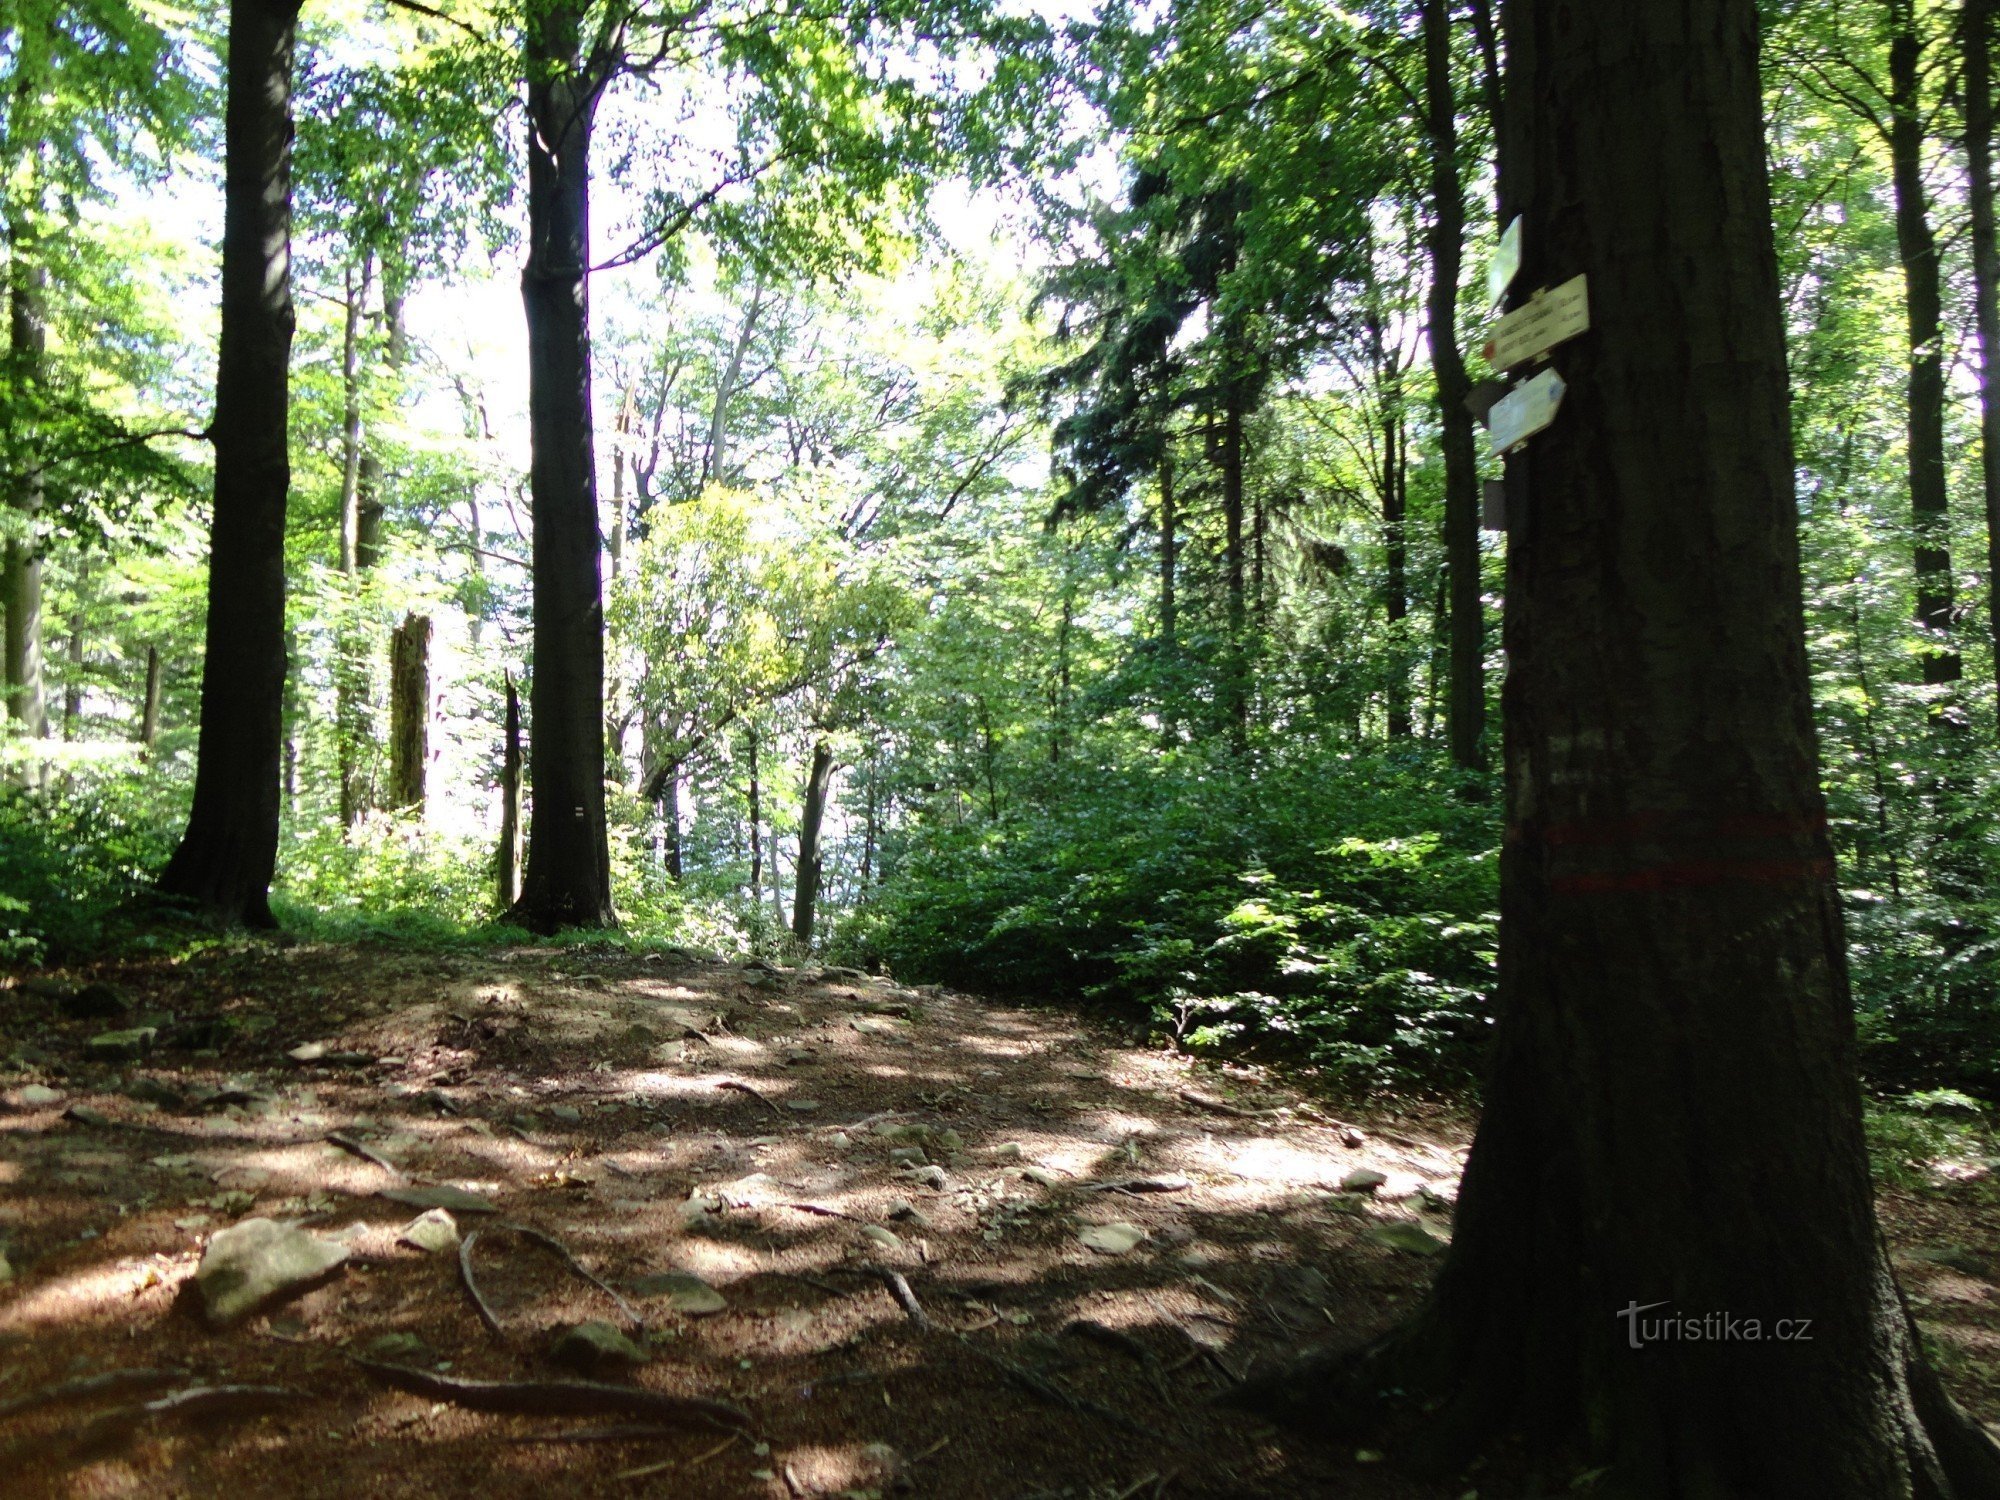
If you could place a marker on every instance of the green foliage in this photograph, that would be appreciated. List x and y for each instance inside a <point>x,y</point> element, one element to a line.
<point>1345,915</point>
<point>76,856</point>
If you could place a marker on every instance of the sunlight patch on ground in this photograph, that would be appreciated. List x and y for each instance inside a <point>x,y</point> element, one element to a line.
<point>97,1291</point>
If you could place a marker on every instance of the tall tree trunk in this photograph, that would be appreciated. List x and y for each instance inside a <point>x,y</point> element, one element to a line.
<point>670,817</point>
<point>350,689</point>
<point>370,508</point>
<point>805,897</point>
<point>1236,665</point>
<point>1466,708</point>
<point>1923,306</point>
<point>73,679</point>
<point>149,713</point>
<point>227,856</point>
<point>1395,533</point>
<point>409,712</point>
<point>21,558</point>
<point>1673,1127</point>
<point>756,826</point>
<point>715,465</point>
<point>1170,647</point>
<point>360,283</point>
<point>868,824</point>
<point>568,880</point>
<point>510,802</point>
<point>1976,43</point>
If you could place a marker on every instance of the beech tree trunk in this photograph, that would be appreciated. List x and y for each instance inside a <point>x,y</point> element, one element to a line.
<point>1923,307</point>
<point>510,802</point>
<point>1673,1127</point>
<point>805,890</point>
<point>1465,713</point>
<point>149,713</point>
<point>568,878</point>
<point>409,712</point>
<point>227,856</point>
<point>1237,666</point>
<point>756,825</point>
<point>20,558</point>
<point>1976,45</point>
<point>73,680</point>
<point>670,817</point>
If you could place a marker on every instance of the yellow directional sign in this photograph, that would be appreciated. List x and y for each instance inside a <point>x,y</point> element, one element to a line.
<point>1548,319</point>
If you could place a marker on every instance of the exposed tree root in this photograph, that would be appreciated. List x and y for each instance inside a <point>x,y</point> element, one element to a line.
<point>556,1397</point>
<point>556,1247</point>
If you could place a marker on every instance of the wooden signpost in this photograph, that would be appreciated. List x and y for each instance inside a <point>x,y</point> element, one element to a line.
<point>1546,320</point>
<point>1524,411</point>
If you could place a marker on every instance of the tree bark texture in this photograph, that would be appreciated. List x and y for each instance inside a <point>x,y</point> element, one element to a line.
<point>409,712</point>
<point>1673,1126</point>
<point>805,891</point>
<point>510,801</point>
<point>149,712</point>
<point>20,558</point>
<point>568,878</point>
<point>227,856</point>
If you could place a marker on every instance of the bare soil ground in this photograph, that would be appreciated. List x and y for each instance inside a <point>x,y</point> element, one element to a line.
<point>961,1249</point>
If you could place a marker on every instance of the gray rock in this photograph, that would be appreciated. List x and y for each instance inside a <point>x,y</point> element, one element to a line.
<point>1362,1180</point>
<point>38,1096</point>
<point>435,1232</point>
<point>83,1114</point>
<point>1408,1236</point>
<point>257,1262</point>
<point>568,1113</point>
<point>684,1292</point>
<point>595,1346</point>
<point>121,1046</point>
<point>441,1195</point>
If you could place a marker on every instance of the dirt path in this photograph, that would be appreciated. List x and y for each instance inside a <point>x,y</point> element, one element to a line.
<point>926,1245</point>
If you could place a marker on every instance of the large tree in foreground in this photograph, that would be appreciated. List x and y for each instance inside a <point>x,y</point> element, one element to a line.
<point>1672,1148</point>
<point>229,852</point>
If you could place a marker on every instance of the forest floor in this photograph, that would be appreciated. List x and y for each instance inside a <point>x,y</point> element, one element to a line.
<point>925,1244</point>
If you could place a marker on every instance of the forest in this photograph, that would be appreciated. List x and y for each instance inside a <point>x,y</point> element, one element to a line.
<point>1208,748</point>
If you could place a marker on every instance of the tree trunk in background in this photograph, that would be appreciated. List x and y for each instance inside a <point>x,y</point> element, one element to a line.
<point>756,826</point>
<point>1170,647</point>
<point>370,508</point>
<point>510,802</point>
<point>868,825</point>
<point>568,879</point>
<point>670,817</point>
<point>1923,307</point>
<point>715,466</point>
<point>227,856</point>
<point>1976,44</point>
<point>73,680</point>
<point>805,898</point>
<point>350,649</point>
<point>1465,713</point>
<point>1236,689</point>
<point>409,712</point>
<point>1673,1126</point>
<point>149,713</point>
<point>360,281</point>
<point>20,559</point>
